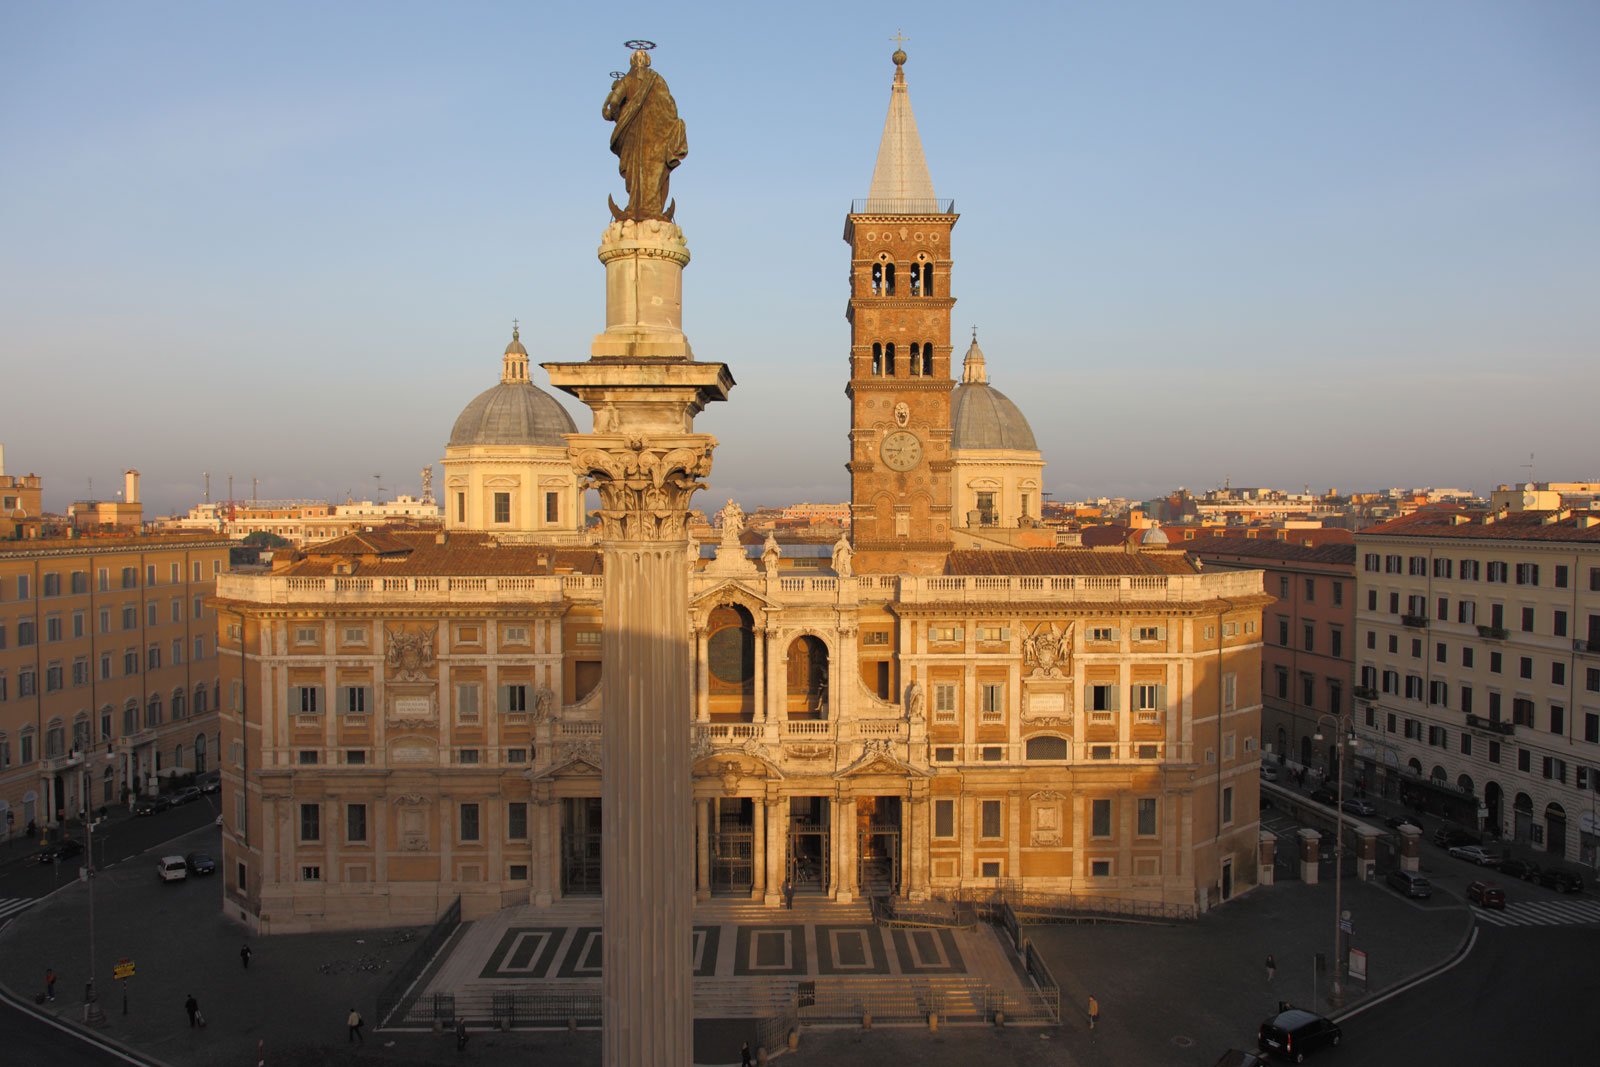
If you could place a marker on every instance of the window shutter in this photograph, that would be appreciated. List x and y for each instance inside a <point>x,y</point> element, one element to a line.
<point>1088,698</point>
<point>365,694</point>
<point>341,696</point>
<point>505,699</point>
<point>1161,698</point>
<point>317,699</point>
<point>1116,633</point>
<point>1116,697</point>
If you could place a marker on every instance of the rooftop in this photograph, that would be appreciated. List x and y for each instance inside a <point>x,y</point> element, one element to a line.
<point>383,553</point>
<point>1067,561</point>
<point>1482,524</point>
<point>1338,554</point>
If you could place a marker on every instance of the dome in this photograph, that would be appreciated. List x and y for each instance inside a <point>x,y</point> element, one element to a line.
<point>981,416</point>
<point>513,413</point>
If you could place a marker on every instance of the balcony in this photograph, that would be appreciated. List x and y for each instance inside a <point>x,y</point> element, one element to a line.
<point>1493,633</point>
<point>1365,692</point>
<point>1498,726</point>
<point>1420,621</point>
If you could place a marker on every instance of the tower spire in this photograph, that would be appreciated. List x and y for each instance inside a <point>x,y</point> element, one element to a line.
<point>900,180</point>
<point>515,366</point>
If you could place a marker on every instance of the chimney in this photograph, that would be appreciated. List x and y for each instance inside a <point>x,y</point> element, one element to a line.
<point>2,461</point>
<point>130,492</point>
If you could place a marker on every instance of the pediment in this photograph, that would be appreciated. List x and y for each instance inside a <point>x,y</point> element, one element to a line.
<point>734,761</point>
<point>730,591</point>
<point>881,761</point>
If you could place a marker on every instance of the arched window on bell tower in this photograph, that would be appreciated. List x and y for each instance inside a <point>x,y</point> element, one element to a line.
<point>877,279</point>
<point>877,359</point>
<point>916,279</point>
<point>916,350</point>
<point>888,279</point>
<point>927,279</point>
<point>888,357</point>
<point>927,359</point>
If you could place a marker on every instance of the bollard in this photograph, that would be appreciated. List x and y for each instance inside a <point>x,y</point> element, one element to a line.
<point>761,1056</point>
<point>999,1018</point>
<point>866,1022</point>
<point>933,1020</point>
<point>572,1024</point>
<point>794,1039</point>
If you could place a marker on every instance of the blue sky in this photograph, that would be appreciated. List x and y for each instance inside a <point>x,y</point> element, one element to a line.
<point>1331,244</point>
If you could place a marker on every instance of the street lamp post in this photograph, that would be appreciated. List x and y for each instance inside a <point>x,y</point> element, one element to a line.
<point>1344,730</point>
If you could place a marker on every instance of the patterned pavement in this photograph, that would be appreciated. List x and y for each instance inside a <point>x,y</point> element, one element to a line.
<point>1542,913</point>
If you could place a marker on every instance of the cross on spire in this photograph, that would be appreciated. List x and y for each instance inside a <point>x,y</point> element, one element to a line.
<point>516,327</point>
<point>899,38</point>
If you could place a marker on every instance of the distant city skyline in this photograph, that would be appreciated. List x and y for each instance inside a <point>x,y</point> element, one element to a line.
<point>1350,248</point>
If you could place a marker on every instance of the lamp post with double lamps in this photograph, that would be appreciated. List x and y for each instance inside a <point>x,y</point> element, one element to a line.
<point>1344,728</point>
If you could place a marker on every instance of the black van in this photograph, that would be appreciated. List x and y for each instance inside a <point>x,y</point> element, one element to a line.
<point>1294,1033</point>
<point>1409,883</point>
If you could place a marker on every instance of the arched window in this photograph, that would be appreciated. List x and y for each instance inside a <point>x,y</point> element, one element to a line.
<point>130,717</point>
<point>80,731</point>
<point>927,359</point>
<point>888,360</point>
<point>888,279</point>
<point>200,699</point>
<point>877,359</point>
<point>178,703</point>
<point>152,712</point>
<point>808,678</point>
<point>927,279</point>
<point>877,279</point>
<point>177,756</point>
<point>199,753</point>
<point>916,358</point>
<point>916,280</point>
<point>1047,748</point>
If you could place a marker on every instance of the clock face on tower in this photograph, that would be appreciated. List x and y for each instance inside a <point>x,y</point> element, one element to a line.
<point>901,450</point>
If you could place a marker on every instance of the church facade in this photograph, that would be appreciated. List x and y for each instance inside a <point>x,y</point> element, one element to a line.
<point>411,717</point>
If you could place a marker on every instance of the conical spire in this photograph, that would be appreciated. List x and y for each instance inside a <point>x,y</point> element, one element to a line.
<point>900,180</point>
<point>972,368</point>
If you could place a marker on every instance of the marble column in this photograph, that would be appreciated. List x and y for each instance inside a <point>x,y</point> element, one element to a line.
<point>702,849</point>
<point>645,461</point>
<point>777,848</point>
<point>703,678</point>
<point>758,848</point>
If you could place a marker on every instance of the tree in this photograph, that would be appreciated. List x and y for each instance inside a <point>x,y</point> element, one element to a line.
<point>266,539</point>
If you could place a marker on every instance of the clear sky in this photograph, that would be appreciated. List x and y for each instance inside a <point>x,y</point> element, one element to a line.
<point>1340,244</point>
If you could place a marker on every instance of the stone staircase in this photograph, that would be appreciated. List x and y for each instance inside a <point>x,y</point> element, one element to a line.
<point>806,910</point>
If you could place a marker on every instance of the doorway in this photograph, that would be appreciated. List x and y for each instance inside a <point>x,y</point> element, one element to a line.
<point>732,846</point>
<point>810,859</point>
<point>580,846</point>
<point>878,845</point>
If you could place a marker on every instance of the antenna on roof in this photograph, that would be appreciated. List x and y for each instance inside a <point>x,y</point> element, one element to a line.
<point>1529,465</point>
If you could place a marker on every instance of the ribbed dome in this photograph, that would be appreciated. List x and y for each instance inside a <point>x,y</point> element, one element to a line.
<point>981,416</point>
<point>513,413</point>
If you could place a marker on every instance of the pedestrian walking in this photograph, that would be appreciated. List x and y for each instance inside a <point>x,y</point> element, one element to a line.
<point>461,1034</point>
<point>49,983</point>
<point>1272,967</point>
<point>1094,1011</point>
<point>788,893</point>
<point>192,1006</point>
<point>355,1022</point>
<point>244,956</point>
<point>744,1056</point>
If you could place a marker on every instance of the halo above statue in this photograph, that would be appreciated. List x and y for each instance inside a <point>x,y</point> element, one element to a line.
<point>648,139</point>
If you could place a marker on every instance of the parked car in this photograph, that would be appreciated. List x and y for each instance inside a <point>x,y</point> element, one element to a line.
<point>1486,895</point>
<point>1269,773</point>
<point>1323,795</point>
<point>1449,837</point>
<point>200,863</point>
<point>151,805</point>
<point>212,783</point>
<point>1357,806</point>
<point>188,794</point>
<point>1556,878</point>
<point>172,868</point>
<point>1239,1058</point>
<point>1394,822</point>
<point>1475,854</point>
<point>1523,869</point>
<point>1409,883</point>
<point>1294,1033</point>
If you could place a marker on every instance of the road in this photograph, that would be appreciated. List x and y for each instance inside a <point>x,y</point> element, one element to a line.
<point>29,1039</point>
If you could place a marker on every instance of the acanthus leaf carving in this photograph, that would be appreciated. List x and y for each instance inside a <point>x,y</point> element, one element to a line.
<point>644,484</point>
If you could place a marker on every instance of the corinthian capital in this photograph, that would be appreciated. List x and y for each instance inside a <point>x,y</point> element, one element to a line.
<point>644,482</point>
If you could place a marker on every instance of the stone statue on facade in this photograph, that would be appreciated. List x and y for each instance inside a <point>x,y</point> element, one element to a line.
<point>842,555</point>
<point>544,699</point>
<point>648,140</point>
<point>914,698</point>
<point>769,555</point>
<point>732,523</point>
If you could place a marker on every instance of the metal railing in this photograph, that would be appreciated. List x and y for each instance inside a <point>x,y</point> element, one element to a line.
<point>1043,906</point>
<point>882,205</point>
<point>395,991</point>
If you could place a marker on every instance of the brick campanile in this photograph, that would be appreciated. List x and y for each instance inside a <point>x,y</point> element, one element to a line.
<point>899,388</point>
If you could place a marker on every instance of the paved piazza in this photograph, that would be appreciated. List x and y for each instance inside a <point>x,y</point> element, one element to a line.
<point>564,944</point>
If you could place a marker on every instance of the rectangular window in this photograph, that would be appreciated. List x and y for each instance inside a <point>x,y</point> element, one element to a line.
<point>469,822</point>
<point>516,755</point>
<point>587,638</point>
<point>153,656</point>
<point>1283,631</point>
<point>1525,667</point>
<point>502,507</point>
<point>513,699</point>
<point>1147,817</point>
<point>946,633</point>
<point>994,633</point>
<point>355,822</point>
<point>1371,562</point>
<point>1591,681</point>
<point>1394,603</point>
<point>1100,818</point>
<point>514,635</point>
<point>310,822</point>
<point>1591,728</point>
<point>461,507</point>
<point>1417,566</point>
<point>944,703</point>
<point>467,755</point>
<point>1338,593</point>
<point>1310,638</point>
<point>467,703</point>
<point>1311,590</point>
<point>1336,637</point>
<point>1283,683</point>
<point>354,699</point>
<point>307,756</point>
<point>990,810</point>
<point>1147,696</point>
<point>1103,698</point>
<point>1227,806</point>
<point>1466,700</point>
<point>875,637</point>
<point>1230,691</point>
<point>1558,673</point>
<point>1283,587</point>
<point>1496,663</point>
<point>994,701</point>
<point>1561,576</point>
<point>1467,612</point>
<point>1466,743</point>
<point>552,507</point>
<point>944,818</point>
<point>1527,620</point>
<point>1527,574</point>
<point>1441,567</point>
<point>355,757</point>
<point>1558,624</point>
<point>1372,600</point>
<point>517,820</point>
<point>1101,633</point>
<point>1558,719</point>
<point>1496,571</point>
<point>1469,570</point>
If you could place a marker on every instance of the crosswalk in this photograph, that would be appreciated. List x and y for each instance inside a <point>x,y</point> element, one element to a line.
<point>1542,913</point>
<point>12,906</point>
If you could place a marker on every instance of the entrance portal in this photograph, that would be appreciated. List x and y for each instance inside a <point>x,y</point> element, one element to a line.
<point>878,845</point>
<point>810,858</point>
<point>580,846</point>
<point>733,846</point>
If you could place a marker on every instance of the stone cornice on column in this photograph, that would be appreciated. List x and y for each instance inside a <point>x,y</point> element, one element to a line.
<point>644,482</point>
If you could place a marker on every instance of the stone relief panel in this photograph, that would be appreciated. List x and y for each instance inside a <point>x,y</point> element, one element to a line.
<point>1048,650</point>
<point>409,655</point>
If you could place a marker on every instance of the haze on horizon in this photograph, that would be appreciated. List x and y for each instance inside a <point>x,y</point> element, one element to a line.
<point>1291,245</point>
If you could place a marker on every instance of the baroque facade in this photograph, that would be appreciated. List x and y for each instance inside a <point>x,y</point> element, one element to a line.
<point>412,717</point>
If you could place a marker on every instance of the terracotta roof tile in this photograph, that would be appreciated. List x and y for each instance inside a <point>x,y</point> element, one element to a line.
<point>1516,526</point>
<point>1337,554</point>
<point>1067,561</point>
<point>419,553</point>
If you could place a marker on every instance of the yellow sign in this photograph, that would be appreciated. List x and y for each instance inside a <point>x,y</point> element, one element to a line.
<point>122,969</point>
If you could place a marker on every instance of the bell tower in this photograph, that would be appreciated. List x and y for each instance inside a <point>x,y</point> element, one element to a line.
<point>899,389</point>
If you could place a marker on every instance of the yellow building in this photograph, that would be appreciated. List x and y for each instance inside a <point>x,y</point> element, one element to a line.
<point>412,717</point>
<point>108,669</point>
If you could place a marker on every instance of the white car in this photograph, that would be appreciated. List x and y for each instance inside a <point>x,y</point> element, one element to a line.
<point>1475,854</point>
<point>172,868</point>
<point>1269,773</point>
